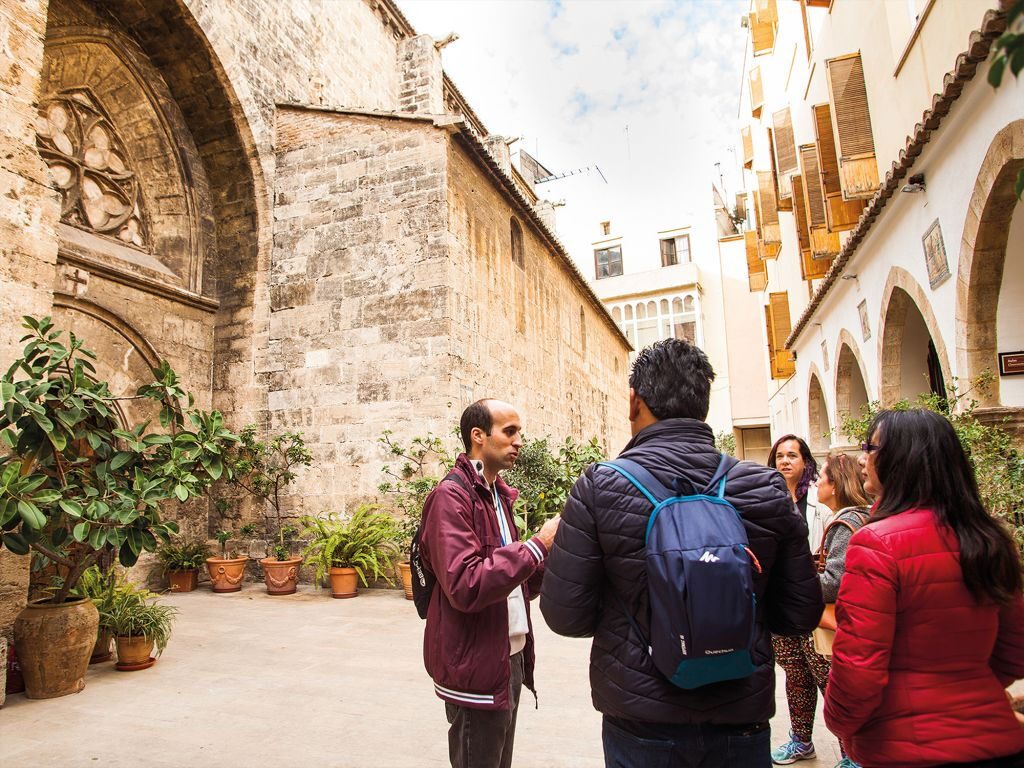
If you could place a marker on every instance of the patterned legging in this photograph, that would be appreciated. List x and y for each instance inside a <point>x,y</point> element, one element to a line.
<point>806,674</point>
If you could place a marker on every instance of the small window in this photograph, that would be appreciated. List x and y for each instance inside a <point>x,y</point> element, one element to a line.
<point>664,306</point>
<point>629,311</point>
<point>683,249</point>
<point>608,261</point>
<point>606,227</point>
<point>617,314</point>
<point>516,235</point>
<point>688,304</point>
<point>668,252</point>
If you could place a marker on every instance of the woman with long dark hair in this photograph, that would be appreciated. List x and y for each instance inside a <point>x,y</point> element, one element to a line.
<point>930,610</point>
<point>792,457</point>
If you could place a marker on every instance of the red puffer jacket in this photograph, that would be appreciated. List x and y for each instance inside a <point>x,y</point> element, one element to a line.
<point>919,666</point>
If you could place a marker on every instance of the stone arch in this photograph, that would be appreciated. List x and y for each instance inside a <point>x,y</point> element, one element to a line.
<point>983,257</point>
<point>850,382</point>
<point>904,310</point>
<point>819,428</point>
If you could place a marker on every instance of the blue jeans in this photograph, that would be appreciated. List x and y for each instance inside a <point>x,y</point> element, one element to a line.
<point>701,745</point>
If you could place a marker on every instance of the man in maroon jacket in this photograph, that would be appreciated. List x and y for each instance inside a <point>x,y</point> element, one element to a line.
<point>478,641</point>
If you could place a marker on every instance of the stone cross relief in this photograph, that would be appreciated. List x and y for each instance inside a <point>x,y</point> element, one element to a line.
<point>74,280</point>
<point>88,163</point>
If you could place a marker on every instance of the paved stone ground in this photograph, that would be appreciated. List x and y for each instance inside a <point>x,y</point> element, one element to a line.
<point>341,686</point>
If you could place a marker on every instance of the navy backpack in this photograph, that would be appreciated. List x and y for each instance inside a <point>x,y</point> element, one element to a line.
<point>699,581</point>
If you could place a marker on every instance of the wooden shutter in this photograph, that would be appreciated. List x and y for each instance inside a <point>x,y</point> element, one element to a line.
<point>756,91</point>
<point>803,235</point>
<point>824,243</point>
<point>840,214</point>
<point>757,273</point>
<point>768,214</point>
<point>741,205</point>
<point>747,142</point>
<point>776,315</point>
<point>762,35</point>
<point>858,170</point>
<point>812,267</point>
<point>784,158</point>
<point>767,11</point>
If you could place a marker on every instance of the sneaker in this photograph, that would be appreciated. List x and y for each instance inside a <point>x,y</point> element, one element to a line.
<point>792,751</point>
<point>847,763</point>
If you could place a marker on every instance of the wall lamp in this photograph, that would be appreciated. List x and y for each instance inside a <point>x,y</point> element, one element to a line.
<point>914,184</point>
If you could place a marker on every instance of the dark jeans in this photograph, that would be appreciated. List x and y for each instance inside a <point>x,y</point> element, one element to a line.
<point>482,738</point>
<point>654,745</point>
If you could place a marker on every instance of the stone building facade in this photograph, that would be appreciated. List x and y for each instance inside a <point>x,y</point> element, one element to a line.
<point>295,207</point>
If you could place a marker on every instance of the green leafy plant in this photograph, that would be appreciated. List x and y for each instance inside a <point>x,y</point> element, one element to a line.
<point>544,478</point>
<point>136,613</point>
<point>998,463</point>
<point>186,556</point>
<point>98,586</point>
<point>1008,51</point>
<point>75,481</point>
<point>367,542</point>
<point>424,460</point>
<point>264,469</point>
<point>725,442</point>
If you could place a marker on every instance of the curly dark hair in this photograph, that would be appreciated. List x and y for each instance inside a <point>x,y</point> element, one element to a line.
<point>674,379</point>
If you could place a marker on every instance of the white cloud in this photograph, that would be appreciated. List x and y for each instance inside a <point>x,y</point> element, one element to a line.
<point>570,76</point>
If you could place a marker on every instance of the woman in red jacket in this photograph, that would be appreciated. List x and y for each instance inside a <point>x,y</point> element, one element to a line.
<point>930,611</point>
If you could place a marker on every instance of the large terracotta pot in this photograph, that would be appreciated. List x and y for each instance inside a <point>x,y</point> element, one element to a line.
<point>54,643</point>
<point>281,576</point>
<point>134,652</point>
<point>405,571</point>
<point>183,581</point>
<point>344,582</point>
<point>226,574</point>
<point>101,651</point>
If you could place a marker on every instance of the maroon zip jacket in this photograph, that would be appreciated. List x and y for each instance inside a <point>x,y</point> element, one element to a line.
<point>465,642</point>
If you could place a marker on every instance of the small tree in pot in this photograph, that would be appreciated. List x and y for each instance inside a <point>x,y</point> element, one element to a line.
<point>75,481</point>
<point>264,469</point>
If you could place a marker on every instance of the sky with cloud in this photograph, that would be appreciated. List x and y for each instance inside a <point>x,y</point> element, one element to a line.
<point>645,90</point>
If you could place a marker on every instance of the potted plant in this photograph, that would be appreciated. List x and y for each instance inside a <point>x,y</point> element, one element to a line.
<point>264,469</point>
<point>140,625</point>
<point>182,563</point>
<point>74,481</point>
<point>228,570</point>
<point>350,551</point>
<point>99,587</point>
<point>409,485</point>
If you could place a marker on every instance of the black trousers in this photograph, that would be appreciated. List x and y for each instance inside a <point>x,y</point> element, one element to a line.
<point>483,738</point>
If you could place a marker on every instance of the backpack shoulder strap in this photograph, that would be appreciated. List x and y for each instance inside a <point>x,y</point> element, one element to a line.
<point>454,477</point>
<point>716,487</point>
<point>644,481</point>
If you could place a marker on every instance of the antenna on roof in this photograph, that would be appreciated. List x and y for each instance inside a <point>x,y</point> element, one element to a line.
<point>576,172</point>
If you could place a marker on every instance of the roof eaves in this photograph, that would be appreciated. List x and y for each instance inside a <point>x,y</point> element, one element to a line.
<point>980,43</point>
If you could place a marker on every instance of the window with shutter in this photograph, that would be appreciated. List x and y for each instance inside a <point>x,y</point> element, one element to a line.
<point>840,214</point>
<point>858,170</point>
<point>768,214</point>
<point>756,91</point>
<point>824,243</point>
<point>747,141</point>
<point>741,206</point>
<point>762,35</point>
<point>778,327</point>
<point>757,274</point>
<point>783,194</point>
<point>800,215</point>
<point>785,150</point>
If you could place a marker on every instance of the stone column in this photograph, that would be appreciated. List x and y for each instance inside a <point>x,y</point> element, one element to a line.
<point>422,77</point>
<point>29,211</point>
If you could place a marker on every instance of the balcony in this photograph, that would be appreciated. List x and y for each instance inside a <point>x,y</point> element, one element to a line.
<point>647,282</point>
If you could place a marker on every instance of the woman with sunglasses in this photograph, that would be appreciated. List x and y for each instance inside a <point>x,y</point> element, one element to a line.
<point>930,611</point>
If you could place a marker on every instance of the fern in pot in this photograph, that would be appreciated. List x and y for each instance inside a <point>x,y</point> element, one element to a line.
<point>362,548</point>
<point>141,626</point>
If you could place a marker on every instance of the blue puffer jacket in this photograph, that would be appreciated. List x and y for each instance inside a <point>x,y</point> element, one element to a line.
<point>600,547</point>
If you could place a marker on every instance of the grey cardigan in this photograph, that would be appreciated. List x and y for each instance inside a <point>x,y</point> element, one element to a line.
<point>836,542</point>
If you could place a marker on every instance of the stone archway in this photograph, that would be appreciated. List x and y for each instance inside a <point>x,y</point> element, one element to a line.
<point>851,389</point>
<point>908,366</point>
<point>980,270</point>
<point>819,428</point>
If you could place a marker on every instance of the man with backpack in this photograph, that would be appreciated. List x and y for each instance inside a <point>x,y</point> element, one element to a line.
<point>478,640</point>
<point>680,562</point>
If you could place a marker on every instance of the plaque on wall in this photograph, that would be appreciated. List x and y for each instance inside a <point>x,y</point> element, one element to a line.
<point>865,325</point>
<point>935,255</point>
<point>1011,363</point>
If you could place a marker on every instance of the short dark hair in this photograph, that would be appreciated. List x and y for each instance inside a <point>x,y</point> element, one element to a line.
<point>476,415</point>
<point>674,379</point>
<point>921,464</point>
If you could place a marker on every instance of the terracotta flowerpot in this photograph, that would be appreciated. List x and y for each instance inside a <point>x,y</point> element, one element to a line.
<point>133,651</point>
<point>226,574</point>
<point>344,582</point>
<point>281,576</point>
<point>183,581</point>
<point>101,651</point>
<point>54,642</point>
<point>405,571</point>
